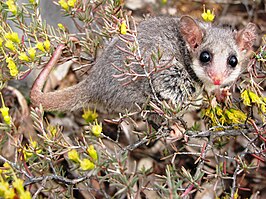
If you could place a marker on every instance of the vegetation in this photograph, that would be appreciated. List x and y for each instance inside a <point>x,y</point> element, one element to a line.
<point>220,152</point>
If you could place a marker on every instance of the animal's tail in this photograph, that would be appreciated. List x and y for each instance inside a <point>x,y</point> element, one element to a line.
<point>61,100</point>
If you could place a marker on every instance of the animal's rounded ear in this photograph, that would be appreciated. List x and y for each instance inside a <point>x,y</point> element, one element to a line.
<point>246,37</point>
<point>191,31</point>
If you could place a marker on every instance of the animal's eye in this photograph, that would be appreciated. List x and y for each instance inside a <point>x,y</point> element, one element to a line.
<point>205,57</point>
<point>232,61</point>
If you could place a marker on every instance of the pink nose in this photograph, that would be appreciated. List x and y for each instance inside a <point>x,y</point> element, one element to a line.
<point>217,82</point>
<point>216,77</point>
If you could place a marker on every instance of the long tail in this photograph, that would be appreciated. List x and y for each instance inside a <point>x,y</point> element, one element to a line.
<point>61,100</point>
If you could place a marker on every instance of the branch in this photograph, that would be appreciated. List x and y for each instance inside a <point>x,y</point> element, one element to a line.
<point>56,178</point>
<point>14,165</point>
<point>231,132</point>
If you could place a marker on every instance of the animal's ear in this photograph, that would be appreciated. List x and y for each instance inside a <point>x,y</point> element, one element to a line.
<point>190,31</point>
<point>246,37</point>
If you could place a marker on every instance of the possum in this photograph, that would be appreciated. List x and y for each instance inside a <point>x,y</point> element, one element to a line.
<point>200,57</point>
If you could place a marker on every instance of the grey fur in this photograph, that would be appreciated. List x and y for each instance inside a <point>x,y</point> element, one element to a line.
<point>176,83</point>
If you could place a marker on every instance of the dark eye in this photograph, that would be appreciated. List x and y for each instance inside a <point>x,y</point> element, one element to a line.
<point>232,61</point>
<point>205,57</point>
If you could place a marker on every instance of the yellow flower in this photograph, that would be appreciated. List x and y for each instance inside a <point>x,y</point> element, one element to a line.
<point>219,111</point>
<point>86,164</point>
<point>7,165</point>
<point>96,129</point>
<point>164,1</point>
<point>52,129</point>
<point>3,187</point>
<point>254,98</point>
<point>222,120</point>
<point>10,194</point>
<point>1,42</point>
<point>89,116</point>
<point>123,28</point>
<point>92,152</point>
<point>238,114</point>
<point>71,3</point>
<point>245,98</point>
<point>32,1</point>
<point>40,46</point>
<point>229,114</point>
<point>61,26</point>
<point>32,53</point>
<point>5,112</point>
<point>47,45</point>
<point>13,36</point>
<point>73,155</point>
<point>63,4</point>
<point>18,185</point>
<point>25,195</point>
<point>236,195</point>
<point>11,6</point>
<point>13,72</point>
<point>23,57</point>
<point>34,145</point>
<point>27,155</point>
<point>263,108</point>
<point>5,115</point>
<point>10,45</point>
<point>7,119</point>
<point>209,113</point>
<point>232,118</point>
<point>208,16</point>
<point>12,67</point>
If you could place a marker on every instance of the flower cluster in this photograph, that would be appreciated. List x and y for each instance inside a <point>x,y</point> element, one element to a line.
<point>227,116</point>
<point>16,52</point>
<point>251,98</point>
<point>12,6</point>
<point>31,149</point>
<point>66,4</point>
<point>44,46</point>
<point>13,36</point>
<point>11,42</point>
<point>12,67</point>
<point>17,189</point>
<point>85,163</point>
<point>90,117</point>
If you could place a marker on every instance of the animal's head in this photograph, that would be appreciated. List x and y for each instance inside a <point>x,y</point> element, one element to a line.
<point>217,52</point>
